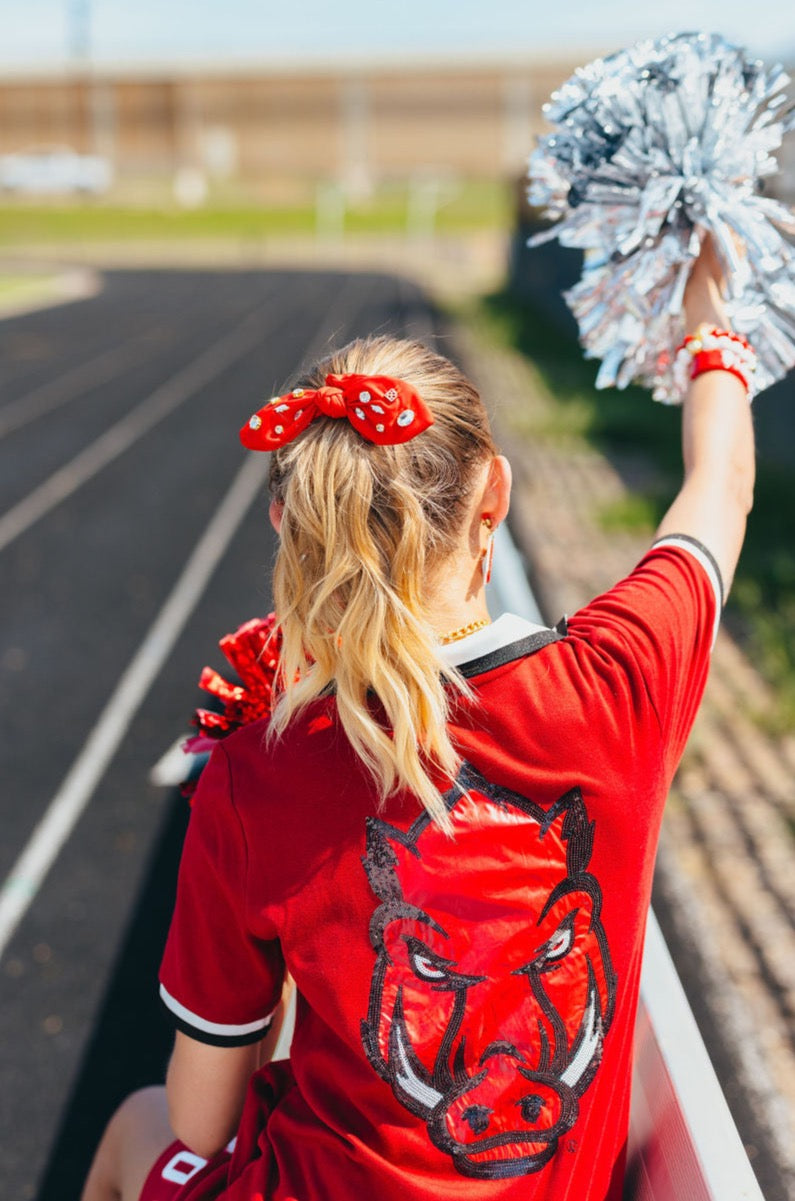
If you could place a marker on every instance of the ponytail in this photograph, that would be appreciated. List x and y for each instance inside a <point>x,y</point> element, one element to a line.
<point>365,528</point>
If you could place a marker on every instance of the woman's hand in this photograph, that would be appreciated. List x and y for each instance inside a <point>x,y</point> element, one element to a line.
<point>705,289</point>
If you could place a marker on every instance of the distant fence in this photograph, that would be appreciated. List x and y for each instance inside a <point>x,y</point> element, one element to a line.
<point>355,125</point>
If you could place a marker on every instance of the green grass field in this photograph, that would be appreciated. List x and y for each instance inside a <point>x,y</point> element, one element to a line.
<point>24,289</point>
<point>459,207</point>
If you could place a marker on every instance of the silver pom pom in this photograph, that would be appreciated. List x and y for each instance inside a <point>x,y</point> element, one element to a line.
<point>653,145</point>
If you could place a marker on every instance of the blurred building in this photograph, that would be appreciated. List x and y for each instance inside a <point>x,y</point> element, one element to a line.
<point>281,128</point>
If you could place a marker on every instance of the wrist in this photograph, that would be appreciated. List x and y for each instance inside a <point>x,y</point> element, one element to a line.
<point>704,303</point>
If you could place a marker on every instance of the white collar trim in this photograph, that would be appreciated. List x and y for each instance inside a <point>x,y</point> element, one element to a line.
<point>502,632</point>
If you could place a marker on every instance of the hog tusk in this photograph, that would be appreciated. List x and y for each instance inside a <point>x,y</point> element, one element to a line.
<point>408,1079</point>
<point>591,1031</point>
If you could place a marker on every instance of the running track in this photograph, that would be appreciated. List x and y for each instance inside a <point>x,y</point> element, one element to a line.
<point>133,533</point>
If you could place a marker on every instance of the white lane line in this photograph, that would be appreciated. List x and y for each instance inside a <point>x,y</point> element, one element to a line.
<point>72,798</point>
<point>67,805</point>
<point>120,436</point>
<point>63,388</point>
<point>100,369</point>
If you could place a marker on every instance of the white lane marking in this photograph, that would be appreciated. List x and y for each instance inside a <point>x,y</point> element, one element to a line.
<point>121,436</point>
<point>63,388</point>
<point>66,807</point>
<point>100,369</point>
<point>76,790</point>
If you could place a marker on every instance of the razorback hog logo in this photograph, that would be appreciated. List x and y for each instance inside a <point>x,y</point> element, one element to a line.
<point>493,986</point>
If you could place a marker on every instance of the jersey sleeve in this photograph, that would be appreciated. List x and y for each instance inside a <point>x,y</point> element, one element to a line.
<point>220,982</point>
<point>653,634</point>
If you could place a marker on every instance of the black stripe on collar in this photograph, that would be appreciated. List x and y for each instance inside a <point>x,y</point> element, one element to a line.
<point>513,650</point>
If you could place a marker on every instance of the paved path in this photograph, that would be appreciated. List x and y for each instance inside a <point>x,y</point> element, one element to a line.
<point>132,535</point>
<point>725,886</point>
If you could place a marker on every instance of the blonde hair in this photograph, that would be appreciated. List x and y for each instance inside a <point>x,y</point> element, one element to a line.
<point>365,529</point>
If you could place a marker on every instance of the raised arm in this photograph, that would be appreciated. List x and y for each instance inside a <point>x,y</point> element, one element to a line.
<point>717,439</point>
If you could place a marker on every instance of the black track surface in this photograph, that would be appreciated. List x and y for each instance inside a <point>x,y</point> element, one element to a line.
<point>79,1020</point>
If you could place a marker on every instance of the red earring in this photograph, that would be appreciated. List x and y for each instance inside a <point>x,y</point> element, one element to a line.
<point>487,562</point>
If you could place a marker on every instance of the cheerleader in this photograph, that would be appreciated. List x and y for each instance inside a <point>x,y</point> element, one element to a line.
<point>445,831</point>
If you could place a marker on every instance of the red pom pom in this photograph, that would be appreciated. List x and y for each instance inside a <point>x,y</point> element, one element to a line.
<point>253,651</point>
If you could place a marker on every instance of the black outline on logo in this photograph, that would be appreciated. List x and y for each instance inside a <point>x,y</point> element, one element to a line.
<point>450,1080</point>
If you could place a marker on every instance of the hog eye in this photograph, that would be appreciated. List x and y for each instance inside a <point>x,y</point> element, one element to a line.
<point>559,944</point>
<point>426,968</point>
<point>554,949</point>
<point>425,965</point>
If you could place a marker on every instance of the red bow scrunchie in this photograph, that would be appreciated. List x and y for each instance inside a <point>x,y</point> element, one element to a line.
<point>383,410</point>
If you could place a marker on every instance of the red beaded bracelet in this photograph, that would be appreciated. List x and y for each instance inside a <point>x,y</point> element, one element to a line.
<point>713,360</point>
<point>713,349</point>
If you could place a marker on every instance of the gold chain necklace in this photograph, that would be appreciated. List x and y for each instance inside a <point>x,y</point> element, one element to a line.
<point>465,631</point>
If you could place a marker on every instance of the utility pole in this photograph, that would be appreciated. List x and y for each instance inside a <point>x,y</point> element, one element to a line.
<point>100,107</point>
<point>79,26</point>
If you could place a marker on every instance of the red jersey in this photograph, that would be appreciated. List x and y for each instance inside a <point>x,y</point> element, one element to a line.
<point>466,1004</point>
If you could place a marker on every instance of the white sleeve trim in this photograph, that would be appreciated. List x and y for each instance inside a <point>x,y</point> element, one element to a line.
<point>199,1023</point>
<point>700,554</point>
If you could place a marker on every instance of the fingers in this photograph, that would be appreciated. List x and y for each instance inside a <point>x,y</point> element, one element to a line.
<point>708,265</point>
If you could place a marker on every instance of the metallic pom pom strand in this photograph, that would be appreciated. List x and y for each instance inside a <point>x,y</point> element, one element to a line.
<point>652,146</point>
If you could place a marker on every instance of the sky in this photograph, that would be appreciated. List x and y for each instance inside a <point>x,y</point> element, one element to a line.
<point>42,33</point>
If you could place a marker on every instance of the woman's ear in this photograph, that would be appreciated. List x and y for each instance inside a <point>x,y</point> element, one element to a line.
<point>497,494</point>
<point>276,512</point>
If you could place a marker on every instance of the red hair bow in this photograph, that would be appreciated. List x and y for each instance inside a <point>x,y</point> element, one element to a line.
<point>383,410</point>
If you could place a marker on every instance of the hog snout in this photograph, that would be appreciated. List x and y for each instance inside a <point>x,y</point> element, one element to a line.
<point>506,1102</point>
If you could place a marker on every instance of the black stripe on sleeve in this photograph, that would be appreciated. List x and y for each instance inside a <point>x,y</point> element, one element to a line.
<point>706,552</point>
<point>218,1040</point>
